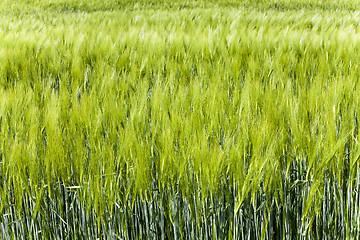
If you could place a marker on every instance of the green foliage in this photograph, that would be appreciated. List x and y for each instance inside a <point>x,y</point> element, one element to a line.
<point>179,119</point>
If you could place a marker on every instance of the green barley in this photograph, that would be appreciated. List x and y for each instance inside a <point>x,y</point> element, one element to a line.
<point>179,119</point>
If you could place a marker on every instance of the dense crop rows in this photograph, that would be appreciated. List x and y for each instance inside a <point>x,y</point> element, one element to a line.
<point>181,120</point>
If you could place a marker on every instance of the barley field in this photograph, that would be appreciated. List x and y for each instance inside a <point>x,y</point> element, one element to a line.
<point>183,119</point>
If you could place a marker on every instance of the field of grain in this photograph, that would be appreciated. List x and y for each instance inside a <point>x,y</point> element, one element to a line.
<point>179,119</point>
